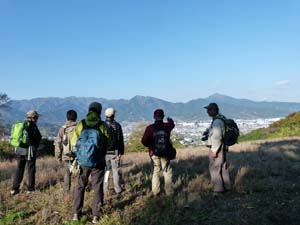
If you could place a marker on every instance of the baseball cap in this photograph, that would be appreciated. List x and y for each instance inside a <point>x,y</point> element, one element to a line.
<point>212,105</point>
<point>109,112</point>
<point>159,113</point>
<point>95,107</point>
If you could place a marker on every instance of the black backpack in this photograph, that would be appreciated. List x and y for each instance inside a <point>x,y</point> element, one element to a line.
<point>232,131</point>
<point>162,146</point>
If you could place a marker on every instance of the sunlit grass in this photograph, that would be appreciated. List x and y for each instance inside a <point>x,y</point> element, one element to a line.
<point>265,176</point>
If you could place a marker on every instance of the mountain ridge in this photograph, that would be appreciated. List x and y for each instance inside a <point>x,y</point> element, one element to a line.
<point>140,108</point>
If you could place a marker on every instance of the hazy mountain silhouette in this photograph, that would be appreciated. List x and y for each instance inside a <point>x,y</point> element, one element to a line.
<point>140,108</point>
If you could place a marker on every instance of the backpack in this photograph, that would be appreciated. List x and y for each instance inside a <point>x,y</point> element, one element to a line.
<point>232,132</point>
<point>19,135</point>
<point>88,147</point>
<point>161,144</point>
<point>66,140</point>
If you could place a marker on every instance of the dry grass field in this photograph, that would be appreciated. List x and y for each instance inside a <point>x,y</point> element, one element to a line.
<point>265,174</point>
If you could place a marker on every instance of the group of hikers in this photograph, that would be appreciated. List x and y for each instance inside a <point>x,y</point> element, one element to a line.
<point>94,147</point>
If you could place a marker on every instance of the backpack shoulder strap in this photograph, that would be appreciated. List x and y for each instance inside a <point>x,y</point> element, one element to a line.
<point>64,127</point>
<point>84,126</point>
<point>221,117</point>
<point>26,124</point>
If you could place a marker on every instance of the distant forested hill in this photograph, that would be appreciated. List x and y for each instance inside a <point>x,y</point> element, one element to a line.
<point>140,108</point>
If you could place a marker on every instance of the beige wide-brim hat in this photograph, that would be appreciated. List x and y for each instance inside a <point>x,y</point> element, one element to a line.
<point>32,113</point>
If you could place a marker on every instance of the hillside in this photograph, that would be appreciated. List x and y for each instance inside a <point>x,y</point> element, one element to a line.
<point>266,191</point>
<point>287,127</point>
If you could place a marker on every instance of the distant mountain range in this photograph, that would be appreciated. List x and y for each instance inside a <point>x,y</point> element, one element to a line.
<point>140,108</point>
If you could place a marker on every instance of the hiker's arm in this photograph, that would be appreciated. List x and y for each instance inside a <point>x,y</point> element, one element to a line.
<point>216,135</point>
<point>120,141</point>
<point>170,124</point>
<point>147,137</point>
<point>34,135</point>
<point>58,144</point>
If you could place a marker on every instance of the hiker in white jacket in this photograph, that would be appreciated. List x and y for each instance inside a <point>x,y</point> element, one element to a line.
<point>217,157</point>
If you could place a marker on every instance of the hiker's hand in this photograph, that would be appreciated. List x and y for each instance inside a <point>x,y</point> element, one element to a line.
<point>119,157</point>
<point>151,153</point>
<point>214,155</point>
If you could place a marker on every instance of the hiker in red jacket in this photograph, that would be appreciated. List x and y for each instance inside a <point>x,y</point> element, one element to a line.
<point>155,135</point>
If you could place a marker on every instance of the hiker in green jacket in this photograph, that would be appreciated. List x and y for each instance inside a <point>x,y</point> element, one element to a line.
<point>94,163</point>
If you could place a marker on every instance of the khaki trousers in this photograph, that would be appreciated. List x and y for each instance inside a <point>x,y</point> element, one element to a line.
<point>161,164</point>
<point>219,172</point>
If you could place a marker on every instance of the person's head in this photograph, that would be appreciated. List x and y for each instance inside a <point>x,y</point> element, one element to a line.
<point>95,107</point>
<point>110,113</point>
<point>32,115</point>
<point>212,109</point>
<point>72,115</point>
<point>158,114</point>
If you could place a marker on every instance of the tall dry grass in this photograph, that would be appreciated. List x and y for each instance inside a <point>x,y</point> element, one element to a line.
<point>266,188</point>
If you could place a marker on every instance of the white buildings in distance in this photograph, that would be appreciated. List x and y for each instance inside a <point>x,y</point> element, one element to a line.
<point>190,133</point>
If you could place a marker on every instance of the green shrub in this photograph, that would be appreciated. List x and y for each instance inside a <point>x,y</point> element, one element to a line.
<point>287,127</point>
<point>14,217</point>
<point>134,142</point>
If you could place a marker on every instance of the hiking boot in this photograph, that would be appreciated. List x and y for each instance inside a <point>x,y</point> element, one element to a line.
<point>217,194</point>
<point>119,193</point>
<point>29,192</point>
<point>152,195</point>
<point>95,219</point>
<point>14,192</point>
<point>75,217</point>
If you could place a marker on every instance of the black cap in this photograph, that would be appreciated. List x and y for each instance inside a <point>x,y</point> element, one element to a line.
<point>212,105</point>
<point>95,107</point>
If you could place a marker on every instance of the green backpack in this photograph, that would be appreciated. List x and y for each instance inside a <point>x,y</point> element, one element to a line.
<point>19,135</point>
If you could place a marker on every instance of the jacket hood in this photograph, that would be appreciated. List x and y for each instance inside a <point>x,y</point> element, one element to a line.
<point>92,118</point>
<point>70,123</point>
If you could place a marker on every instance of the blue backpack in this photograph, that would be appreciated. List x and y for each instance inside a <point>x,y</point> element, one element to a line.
<point>88,146</point>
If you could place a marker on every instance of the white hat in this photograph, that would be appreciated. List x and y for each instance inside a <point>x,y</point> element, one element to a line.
<point>109,112</point>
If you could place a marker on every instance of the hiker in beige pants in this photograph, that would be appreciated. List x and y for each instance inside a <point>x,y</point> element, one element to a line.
<point>159,163</point>
<point>164,165</point>
<point>217,155</point>
<point>219,172</point>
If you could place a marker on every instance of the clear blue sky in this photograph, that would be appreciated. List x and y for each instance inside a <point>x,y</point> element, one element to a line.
<point>173,50</point>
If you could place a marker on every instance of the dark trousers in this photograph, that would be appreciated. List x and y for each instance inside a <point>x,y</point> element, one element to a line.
<point>97,176</point>
<point>22,160</point>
